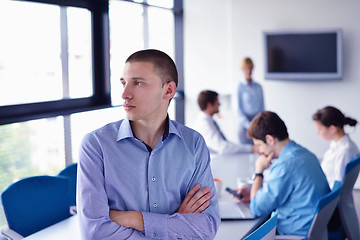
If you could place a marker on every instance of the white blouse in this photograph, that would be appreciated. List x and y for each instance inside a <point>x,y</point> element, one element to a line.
<point>336,158</point>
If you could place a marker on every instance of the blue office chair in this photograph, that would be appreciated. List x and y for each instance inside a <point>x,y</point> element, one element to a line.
<point>266,231</point>
<point>71,172</point>
<point>325,208</point>
<point>347,210</point>
<point>35,203</point>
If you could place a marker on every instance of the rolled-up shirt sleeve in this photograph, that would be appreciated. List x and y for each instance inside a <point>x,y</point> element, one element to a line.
<point>275,191</point>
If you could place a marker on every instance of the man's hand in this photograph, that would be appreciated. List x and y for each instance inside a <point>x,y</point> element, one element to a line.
<point>196,201</point>
<point>263,162</point>
<point>128,219</point>
<point>245,192</point>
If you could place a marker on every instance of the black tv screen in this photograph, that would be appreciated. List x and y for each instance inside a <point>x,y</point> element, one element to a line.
<point>303,55</point>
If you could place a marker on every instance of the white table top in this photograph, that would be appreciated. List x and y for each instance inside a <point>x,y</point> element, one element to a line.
<point>67,229</point>
<point>227,167</point>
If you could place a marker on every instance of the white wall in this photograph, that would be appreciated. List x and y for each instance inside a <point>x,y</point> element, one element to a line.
<point>219,33</point>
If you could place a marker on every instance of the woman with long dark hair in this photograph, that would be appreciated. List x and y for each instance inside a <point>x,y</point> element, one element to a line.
<point>330,123</point>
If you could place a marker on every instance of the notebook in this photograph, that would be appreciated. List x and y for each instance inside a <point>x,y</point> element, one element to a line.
<point>235,210</point>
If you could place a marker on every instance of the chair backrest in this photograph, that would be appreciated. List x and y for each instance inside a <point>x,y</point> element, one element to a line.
<point>347,208</point>
<point>325,208</point>
<point>71,172</point>
<point>266,231</point>
<point>35,203</point>
<point>351,174</point>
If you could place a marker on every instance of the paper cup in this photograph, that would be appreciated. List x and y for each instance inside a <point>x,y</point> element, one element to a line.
<point>218,185</point>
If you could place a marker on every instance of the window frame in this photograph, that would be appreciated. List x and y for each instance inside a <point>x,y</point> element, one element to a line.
<point>101,97</point>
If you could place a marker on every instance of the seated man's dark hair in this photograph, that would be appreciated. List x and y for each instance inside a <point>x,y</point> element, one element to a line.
<point>206,97</point>
<point>267,123</point>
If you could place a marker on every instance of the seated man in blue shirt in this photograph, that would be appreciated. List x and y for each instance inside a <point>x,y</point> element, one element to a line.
<point>141,177</point>
<point>295,183</point>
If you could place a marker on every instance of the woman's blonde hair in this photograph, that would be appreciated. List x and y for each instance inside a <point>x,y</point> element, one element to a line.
<point>247,61</point>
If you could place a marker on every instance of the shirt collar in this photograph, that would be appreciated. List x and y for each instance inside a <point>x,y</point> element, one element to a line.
<point>245,81</point>
<point>342,141</point>
<point>166,133</point>
<point>204,115</point>
<point>125,130</point>
<point>287,148</point>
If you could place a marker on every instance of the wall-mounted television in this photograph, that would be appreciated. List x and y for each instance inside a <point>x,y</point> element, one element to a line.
<point>303,55</point>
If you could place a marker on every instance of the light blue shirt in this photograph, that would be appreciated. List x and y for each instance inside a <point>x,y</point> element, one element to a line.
<point>250,101</point>
<point>295,184</point>
<point>117,171</point>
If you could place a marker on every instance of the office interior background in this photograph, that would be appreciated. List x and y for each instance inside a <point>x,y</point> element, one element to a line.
<point>216,35</point>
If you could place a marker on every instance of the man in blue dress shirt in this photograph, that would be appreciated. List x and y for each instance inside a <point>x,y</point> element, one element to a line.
<point>296,181</point>
<point>141,177</point>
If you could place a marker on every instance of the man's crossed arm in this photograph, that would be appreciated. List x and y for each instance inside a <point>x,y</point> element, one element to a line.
<point>196,201</point>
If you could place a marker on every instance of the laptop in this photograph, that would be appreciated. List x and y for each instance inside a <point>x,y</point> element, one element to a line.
<point>235,210</point>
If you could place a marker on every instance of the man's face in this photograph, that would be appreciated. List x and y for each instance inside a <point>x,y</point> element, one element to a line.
<point>215,106</point>
<point>143,92</point>
<point>263,147</point>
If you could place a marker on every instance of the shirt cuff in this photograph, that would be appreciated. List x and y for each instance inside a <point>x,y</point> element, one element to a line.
<point>155,225</point>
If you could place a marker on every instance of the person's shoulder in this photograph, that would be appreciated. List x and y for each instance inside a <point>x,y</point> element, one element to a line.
<point>295,151</point>
<point>191,137</point>
<point>348,149</point>
<point>350,144</point>
<point>184,130</point>
<point>106,130</point>
<point>257,84</point>
<point>294,160</point>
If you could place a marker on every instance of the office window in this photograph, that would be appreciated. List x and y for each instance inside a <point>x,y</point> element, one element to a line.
<point>47,53</point>
<point>126,37</point>
<point>28,149</point>
<point>162,3</point>
<point>161,30</point>
<point>135,27</point>
<point>33,57</point>
<point>29,52</point>
<point>79,52</point>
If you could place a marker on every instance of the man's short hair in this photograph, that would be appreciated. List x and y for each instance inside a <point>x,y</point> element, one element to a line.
<point>206,97</point>
<point>267,123</point>
<point>164,66</point>
<point>247,61</point>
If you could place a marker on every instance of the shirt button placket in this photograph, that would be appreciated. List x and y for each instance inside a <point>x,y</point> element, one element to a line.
<point>152,187</point>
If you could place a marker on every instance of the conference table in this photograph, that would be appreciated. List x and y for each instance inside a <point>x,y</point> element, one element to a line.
<point>67,229</point>
<point>227,167</point>
<point>230,169</point>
